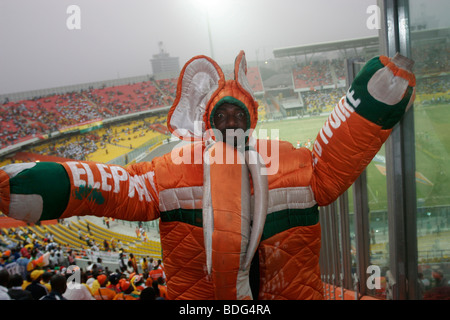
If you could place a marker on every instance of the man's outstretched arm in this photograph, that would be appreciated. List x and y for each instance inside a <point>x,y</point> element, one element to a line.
<point>360,123</point>
<point>38,191</point>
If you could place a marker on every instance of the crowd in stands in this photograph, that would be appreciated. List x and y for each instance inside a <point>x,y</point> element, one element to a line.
<point>74,114</point>
<point>85,146</point>
<point>339,68</point>
<point>47,271</point>
<point>42,115</point>
<point>323,99</point>
<point>76,150</point>
<point>432,58</point>
<point>433,85</point>
<point>315,73</point>
<point>254,79</point>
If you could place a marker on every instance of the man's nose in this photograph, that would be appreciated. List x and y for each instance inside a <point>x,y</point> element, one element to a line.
<point>231,121</point>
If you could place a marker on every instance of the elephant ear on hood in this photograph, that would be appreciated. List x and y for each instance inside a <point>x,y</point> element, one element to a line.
<point>237,91</point>
<point>240,74</point>
<point>199,80</point>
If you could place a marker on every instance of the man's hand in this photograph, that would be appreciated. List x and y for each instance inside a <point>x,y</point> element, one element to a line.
<point>383,90</point>
<point>33,191</point>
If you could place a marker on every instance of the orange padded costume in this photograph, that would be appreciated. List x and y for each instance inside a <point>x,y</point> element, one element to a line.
<point>228,215</point>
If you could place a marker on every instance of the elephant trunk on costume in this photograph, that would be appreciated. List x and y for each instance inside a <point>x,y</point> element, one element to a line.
<point>232,230</point>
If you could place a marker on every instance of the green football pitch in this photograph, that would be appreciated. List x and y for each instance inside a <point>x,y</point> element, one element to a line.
<point>432,150</point>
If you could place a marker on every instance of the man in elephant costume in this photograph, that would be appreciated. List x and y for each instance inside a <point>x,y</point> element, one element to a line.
<point>238,215</point>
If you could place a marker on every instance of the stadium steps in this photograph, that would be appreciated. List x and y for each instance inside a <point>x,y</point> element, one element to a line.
<point>144,252</point>
<point>39,232</point>
<point>7,238</point>
<point>57,230</point>
<point>112,234</point>
<point>128,242</point>
<point>67,236</point>
<point>150,245</point>
<point>69,231</point>
<point>27,229</point>
<point>131,244</point>
<point>74,234</point>
<point>93,235</point>
<point>155,254</point>
<point>104,234</point>
<point>64,239</point>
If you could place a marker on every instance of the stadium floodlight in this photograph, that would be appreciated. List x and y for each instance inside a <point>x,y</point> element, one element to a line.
<point>207,5</point>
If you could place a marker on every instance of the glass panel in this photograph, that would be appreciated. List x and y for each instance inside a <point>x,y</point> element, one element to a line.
<point>378,220</point>
<point>430,49</point>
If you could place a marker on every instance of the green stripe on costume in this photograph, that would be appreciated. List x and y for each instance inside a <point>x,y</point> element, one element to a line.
<point>279,221</point>
<point>190,216</point>
<point>276,222</point>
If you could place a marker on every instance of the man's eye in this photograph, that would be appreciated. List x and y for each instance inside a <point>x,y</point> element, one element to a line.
<point>220,115</point>
<point>240,115</point>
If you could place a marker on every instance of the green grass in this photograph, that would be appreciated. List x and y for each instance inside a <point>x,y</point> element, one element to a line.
<point>432,153</point>
<point>293,130</point>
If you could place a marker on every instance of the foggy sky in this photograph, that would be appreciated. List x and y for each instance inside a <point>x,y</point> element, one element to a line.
<point>118,37</point>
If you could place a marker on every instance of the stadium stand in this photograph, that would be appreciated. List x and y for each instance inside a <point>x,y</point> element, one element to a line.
<point>312,75</point>
<point>255,80</point>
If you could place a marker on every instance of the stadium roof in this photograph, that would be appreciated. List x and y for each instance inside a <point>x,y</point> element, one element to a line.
<point>427,34</point>
<point>325,46</point>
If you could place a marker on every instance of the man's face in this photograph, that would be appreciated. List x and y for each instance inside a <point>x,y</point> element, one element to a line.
<point>228,118</point>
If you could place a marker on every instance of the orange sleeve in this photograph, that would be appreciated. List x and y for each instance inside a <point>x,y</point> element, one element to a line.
<point>343,148</point>
<point>112,191</point>
<point>360,123</point>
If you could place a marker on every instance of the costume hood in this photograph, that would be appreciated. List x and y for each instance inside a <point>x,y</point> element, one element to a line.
<point>201,88</point>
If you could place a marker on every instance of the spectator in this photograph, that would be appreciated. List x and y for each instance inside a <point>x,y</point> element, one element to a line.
<point>26,281</point>
<point>62,261</point>
<point>53,259</point>
<point>156,273</point>
<point>100,268</point>
<point>113,281</point>
<point>36,288</point>
<point>133,262</point>
<point>4,280</point>
<point>148,294</point>
<point>155,287</point>
<point>144,265</point>
<point>16,291</point>
<point>25,252</point>
<point>104,293</point>
<point>122,265</point>
<point>22,262</point>
<point>162,288</point>
<point>138,283</point>
<point>130,268</point>
<point>71,258</point>
<point>45,281</point>
<point>59,286</point>
<point>126,291</point>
